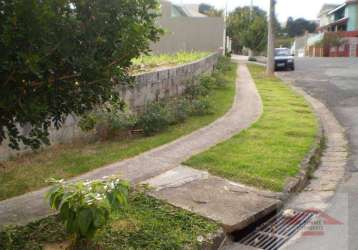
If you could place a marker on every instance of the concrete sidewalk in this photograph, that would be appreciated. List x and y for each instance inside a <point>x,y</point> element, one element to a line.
<point>247,108</point>
<point>233,205</point>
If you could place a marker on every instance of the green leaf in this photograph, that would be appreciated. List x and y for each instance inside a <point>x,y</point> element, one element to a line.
<point>99,217</point>
<point>59,57</point>
<point>84,220</point>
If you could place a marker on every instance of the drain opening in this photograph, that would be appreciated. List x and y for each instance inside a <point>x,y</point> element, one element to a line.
<point>274,233</point>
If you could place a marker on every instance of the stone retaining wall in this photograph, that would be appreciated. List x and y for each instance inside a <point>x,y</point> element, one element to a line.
<point>166,82</point>
<point>148,87</point>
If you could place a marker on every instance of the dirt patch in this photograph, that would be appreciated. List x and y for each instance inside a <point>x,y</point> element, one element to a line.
<point>58,246</point>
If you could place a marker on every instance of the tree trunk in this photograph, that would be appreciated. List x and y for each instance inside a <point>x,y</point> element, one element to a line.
<point>270,68</point>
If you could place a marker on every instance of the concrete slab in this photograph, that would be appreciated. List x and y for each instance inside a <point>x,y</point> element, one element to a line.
<point>176,177</point>
<point>233,206</point>
<point>237,246</point>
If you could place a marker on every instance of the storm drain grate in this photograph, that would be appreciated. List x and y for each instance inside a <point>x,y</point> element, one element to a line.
<point>277,231</point>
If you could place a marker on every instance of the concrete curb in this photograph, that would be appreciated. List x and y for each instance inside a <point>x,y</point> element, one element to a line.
<point>322,150</point>
<point>312,160</point>
<point>214,241</point>
<point>331,170</point>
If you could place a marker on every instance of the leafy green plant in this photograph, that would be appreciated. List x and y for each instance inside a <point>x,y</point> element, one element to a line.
<point>220,80</point>
<point>143,225</point>
<point>85,207</point>
<point>194,90</point>
<point>224,64</point>
<point>201,106</point>
<point>207,81</point>
<point>88,122</point>
<point>331,39</point>
<point>155,118</point>
<point>108,119</point>
<point>61,57</point>
<point>179,109</point>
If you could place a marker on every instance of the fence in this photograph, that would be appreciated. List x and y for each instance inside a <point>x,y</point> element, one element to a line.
<point>348,49</point>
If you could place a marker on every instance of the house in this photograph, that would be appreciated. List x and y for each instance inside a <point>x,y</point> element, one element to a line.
<point>344,17</point>
<point>186,29</point>
<point>300,43</point>
<point>324,18</point>
<point>340,21</point>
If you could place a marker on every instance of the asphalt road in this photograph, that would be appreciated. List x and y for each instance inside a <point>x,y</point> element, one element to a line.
<point>334,81</point>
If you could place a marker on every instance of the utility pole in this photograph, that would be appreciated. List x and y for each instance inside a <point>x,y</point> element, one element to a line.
<point>270,68</point>
<point>225,28</point>
<point>251,53</point>
<point>251,9</point>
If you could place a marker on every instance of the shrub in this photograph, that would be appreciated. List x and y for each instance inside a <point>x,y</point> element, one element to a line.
<point>223,64</point>
<point>252,59</point>
<point>194,90</point>
<point>179,109</point>
<point>85,207</point>
<point>121,121</point>
<point>61,57</point>
<point>201,106</point>
<point>220,80</point>
<point>108,120</point>
<point>155,118</point>
<point>110,123</point>
<point>207,81</point>
<point>88,122</point>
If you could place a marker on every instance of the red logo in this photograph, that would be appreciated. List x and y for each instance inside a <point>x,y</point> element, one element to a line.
<point>316,226</point>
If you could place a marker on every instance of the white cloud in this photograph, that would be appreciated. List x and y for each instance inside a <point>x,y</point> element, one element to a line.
<point>285,8</point>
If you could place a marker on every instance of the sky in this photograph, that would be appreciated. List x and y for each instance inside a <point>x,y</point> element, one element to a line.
<point>285,8</point>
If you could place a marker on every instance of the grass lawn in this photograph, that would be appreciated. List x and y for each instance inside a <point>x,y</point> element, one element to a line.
<point>150,62</point>
<point>272,149</point>
<point>30,172</point>
<point>146,224</point>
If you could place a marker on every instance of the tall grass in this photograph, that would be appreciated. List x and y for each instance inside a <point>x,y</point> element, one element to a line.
<point>149,62</point>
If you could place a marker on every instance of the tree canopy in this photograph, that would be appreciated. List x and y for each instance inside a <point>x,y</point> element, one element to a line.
<point>298,27</point>
<point>210,10</point>
<point>248,29</point>
<point>61,57</point>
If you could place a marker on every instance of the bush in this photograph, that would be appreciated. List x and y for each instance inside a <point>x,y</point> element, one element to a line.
<point>88,122</point>
<point>252,59</point>
<point>223,64</point>
<point>179,109</point>
<point>196,89</point>
<point>220,80</point>
<point>109,124</point>
<point>86,207</point>
<point>207,81</point>
<point>155,118</point>
<point>201,106</point>
<point>61,57</point>
<point>108,120</point>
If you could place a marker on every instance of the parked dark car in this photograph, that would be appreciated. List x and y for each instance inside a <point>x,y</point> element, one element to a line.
<point>284,59</point>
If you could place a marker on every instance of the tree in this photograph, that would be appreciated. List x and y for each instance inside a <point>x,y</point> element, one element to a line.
<point>210,10</point>
<point>256,36</point>
<point>247,30</point>
<point>270,68</point>
<point>297,27</point>
<point>61,57</point>
<point>330,40</point>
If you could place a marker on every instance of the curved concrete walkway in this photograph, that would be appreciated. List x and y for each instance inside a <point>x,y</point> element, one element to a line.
<point>247,108</point>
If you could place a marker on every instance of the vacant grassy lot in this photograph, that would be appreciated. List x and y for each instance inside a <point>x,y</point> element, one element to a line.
<point>150,62</point>
<point>272,149</point>
<point>30,172</point>
<point>145,224</point>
